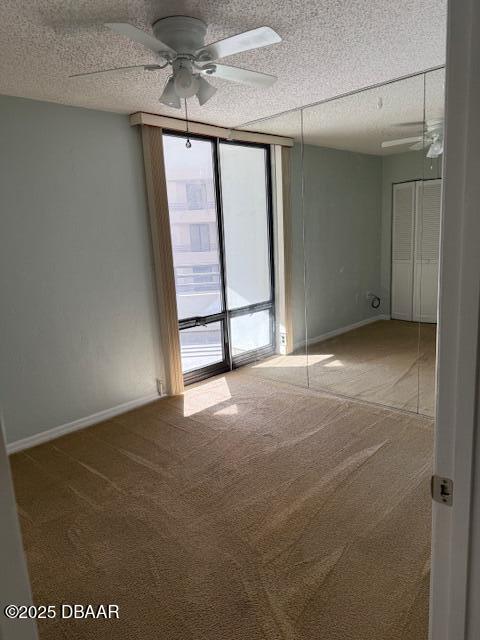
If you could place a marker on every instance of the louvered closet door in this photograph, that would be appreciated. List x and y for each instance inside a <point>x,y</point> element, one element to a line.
<point>427,238</point>
<point>402,250</point>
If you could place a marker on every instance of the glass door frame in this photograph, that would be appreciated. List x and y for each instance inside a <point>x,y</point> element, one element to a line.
<point>230,362</point>
<point>264,305</point>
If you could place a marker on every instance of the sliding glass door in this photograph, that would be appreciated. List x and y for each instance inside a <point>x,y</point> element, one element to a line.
<point>245,195</point>
<point>220,221</point>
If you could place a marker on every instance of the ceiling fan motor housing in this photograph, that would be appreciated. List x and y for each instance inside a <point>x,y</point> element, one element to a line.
<point>182,33</point>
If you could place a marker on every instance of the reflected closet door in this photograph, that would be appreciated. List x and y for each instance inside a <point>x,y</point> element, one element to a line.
<point>403,250</point>
<point>427,246</point>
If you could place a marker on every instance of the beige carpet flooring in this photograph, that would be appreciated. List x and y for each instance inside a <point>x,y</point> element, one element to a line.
<point>246,509</point>
<point>389,362</point>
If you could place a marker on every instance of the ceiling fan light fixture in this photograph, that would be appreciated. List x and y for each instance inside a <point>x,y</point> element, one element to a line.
<point>436,149</point>
<point>186,83</point>
<point>169,96</point>
<point>205,91</point>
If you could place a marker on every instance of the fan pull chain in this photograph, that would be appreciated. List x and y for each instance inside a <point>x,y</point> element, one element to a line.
<point>188,144</point>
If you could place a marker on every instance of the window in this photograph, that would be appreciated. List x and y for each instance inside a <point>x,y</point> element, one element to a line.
<point>199,237</point>
<point>196,195</point>
<point>198,294</point>
<point>222,252</point>
<point>201,346</point>
<point>197,279</point>
<point>246,224</point>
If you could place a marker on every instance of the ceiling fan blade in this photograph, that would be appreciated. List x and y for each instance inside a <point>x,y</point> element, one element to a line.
<point>417,123</point>
<point>148,41</point>
<point>254,39</point>
<point>434,125</point>
<point>146,67</point>
<point>237,74</point>
<point>419,145</point>
<point>396,143</point>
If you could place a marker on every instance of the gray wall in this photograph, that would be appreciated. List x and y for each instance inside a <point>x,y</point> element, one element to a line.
<point>401,167</point>
<point>77,324</point>
<point>343,216</point>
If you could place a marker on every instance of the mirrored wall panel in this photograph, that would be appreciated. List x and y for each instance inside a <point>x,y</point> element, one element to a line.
<point>361,178</point>
<point>429,237</point>
<point>356,205</point>
<point>289,363</point>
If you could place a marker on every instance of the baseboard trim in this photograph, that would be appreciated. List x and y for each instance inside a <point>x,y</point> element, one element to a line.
<point>88,421</point>
<point>340,330</point>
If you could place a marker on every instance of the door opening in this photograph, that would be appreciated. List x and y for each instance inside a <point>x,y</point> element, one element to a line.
<point>219,200</point>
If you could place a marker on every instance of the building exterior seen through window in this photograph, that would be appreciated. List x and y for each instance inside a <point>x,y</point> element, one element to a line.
<point>195,245</point>
<point>193,220</point>
<point>224,297</point>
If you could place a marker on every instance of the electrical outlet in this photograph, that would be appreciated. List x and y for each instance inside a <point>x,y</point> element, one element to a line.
<point>283,339</point>
<point>373,300</point>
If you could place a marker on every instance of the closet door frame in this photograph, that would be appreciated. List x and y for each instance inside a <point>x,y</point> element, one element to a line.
<point>415,184</point>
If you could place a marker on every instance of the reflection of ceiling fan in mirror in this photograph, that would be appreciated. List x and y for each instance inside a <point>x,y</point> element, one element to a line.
<point>432,138</point>
<point>179,42</point>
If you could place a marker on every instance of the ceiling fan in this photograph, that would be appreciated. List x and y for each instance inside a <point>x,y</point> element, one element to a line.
<point>179,42</point>
<point>431,139</point>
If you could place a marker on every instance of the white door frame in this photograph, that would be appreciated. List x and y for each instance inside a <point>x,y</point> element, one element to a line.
<point>14,583</point>
<point>454,613</point>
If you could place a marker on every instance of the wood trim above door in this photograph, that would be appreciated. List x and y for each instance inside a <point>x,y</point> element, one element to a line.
<point>199,128</point>
<point>152,142</point>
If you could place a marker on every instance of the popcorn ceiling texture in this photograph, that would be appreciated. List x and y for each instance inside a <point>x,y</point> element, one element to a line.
<point>329,47</point>
<point>362,121</point>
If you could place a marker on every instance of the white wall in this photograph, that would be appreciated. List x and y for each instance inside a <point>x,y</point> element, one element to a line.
<point>77,325</point>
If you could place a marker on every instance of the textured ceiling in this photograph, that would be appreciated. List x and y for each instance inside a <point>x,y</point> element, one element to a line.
<point>329,47</point>
<point>361,122</point>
